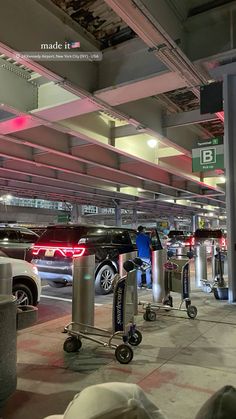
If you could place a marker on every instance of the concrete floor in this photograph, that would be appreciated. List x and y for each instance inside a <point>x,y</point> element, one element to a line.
<point>180,362</point>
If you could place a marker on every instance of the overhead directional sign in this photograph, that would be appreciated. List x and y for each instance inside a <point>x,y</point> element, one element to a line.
<point>208,156</point>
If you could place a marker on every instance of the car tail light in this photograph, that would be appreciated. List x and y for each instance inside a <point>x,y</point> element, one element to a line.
<point>192,241</point>
<point>223,242</point>
<point>68,252</point>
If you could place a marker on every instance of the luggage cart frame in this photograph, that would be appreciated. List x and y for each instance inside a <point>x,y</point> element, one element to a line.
<point>123,326</point>
<point>181,267</point>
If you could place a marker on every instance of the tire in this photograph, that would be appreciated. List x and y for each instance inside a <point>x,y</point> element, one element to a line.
<point>23,294</point>
<point>72,344</point>
<point>104,280</point>
<point>124,354</point>
<point>136,338</point>
<point>150,316</point>
<point>54,284</point>
<point>192,312</point>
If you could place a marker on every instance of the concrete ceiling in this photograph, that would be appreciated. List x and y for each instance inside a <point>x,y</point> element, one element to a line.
<point>79,130</point>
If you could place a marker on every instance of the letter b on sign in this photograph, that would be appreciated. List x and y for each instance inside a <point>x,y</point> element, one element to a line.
<point>208,156</point>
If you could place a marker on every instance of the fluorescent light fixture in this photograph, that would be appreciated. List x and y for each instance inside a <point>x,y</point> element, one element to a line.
<point>211,214</point>
<point>152,143</point>
<point>8,197</point>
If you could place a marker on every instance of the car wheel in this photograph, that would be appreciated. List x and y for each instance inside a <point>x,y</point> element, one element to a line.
<point>54,284</point>
<point>23,295</point>
<point>104,280</point>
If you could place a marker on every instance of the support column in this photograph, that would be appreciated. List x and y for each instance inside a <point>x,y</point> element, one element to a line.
<point>194,223</point>
<point>76,213</point>
<point>230,168</point>
<point>118,218</point>
<point>216,223</point>
<point>134,219</point>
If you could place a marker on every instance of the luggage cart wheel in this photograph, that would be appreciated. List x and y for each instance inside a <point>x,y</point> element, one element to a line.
<point>168,302</point>
<point>72,344</point>
<point>124,354</point>
<point>150,316</point>
<point>136,338</point>
<point>192,312</point>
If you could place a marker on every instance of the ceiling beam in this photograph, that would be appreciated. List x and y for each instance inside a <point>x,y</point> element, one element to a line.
<point>187,118</point>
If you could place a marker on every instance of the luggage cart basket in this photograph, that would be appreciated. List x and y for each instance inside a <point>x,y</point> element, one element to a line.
<point>123,326</point>
<point>176,279</point>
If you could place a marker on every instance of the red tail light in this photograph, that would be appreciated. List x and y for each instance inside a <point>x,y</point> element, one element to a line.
<point>223,242</point>
<point>68,252</point>
<point>192,241</point>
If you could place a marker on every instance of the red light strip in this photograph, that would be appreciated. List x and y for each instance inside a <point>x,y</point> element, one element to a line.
<point>63,250</point>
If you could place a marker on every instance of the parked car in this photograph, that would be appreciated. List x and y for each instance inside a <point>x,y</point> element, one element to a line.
<point>208,237</point>
<point>54,251</point>
<point>180,238</point>
<point>15,241</point>
<point>26,281</point>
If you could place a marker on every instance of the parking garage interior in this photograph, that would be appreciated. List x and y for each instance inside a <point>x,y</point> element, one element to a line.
<point>117,115</point>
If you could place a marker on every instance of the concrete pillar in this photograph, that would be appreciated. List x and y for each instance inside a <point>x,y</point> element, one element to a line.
<point>230,168</point>
<point>195,220</point>
<point>76,213</point>
<point>118,218</point>
<point>134,219</point>
<point>216,223</point>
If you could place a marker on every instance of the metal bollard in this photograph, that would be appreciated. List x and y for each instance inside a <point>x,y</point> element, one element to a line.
<point>159,257</point>
<point>8,377</point>
<point>123,257</point>
<point>200,266</point>
<point>5,278</point>
<point>213,261</point>
<point>83,290</point>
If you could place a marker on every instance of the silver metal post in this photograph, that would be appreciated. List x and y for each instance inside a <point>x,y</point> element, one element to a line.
<point>83,290</point>
<point>5,278</point>
<point>159,257</point>
<point>123,258</point>
<point>230,168</point>
<point>213,261</point>
<point>200,266</point>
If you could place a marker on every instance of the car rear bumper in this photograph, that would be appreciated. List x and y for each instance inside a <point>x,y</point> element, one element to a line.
<point>55,277</point>
<point>54,273</point>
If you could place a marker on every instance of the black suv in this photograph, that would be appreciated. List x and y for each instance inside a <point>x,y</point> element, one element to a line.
<point>53,253</point>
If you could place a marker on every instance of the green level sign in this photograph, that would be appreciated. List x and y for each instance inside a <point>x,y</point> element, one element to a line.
<point>208,156</point>
<point>63,218</point>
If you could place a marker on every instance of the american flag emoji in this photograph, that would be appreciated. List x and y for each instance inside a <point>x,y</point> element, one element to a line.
<point>75,44</point>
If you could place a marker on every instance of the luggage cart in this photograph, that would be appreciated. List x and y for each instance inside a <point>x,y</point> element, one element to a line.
<point>176,279</point>
<point>218,265</point>
<point>123,326</point>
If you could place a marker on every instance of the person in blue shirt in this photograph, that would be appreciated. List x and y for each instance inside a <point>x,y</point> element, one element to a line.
<point>143,243</point>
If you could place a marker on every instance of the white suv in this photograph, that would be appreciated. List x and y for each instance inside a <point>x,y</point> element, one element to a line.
<point>26,281</point>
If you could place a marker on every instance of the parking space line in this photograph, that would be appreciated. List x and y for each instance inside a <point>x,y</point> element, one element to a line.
<point>69,300</point>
